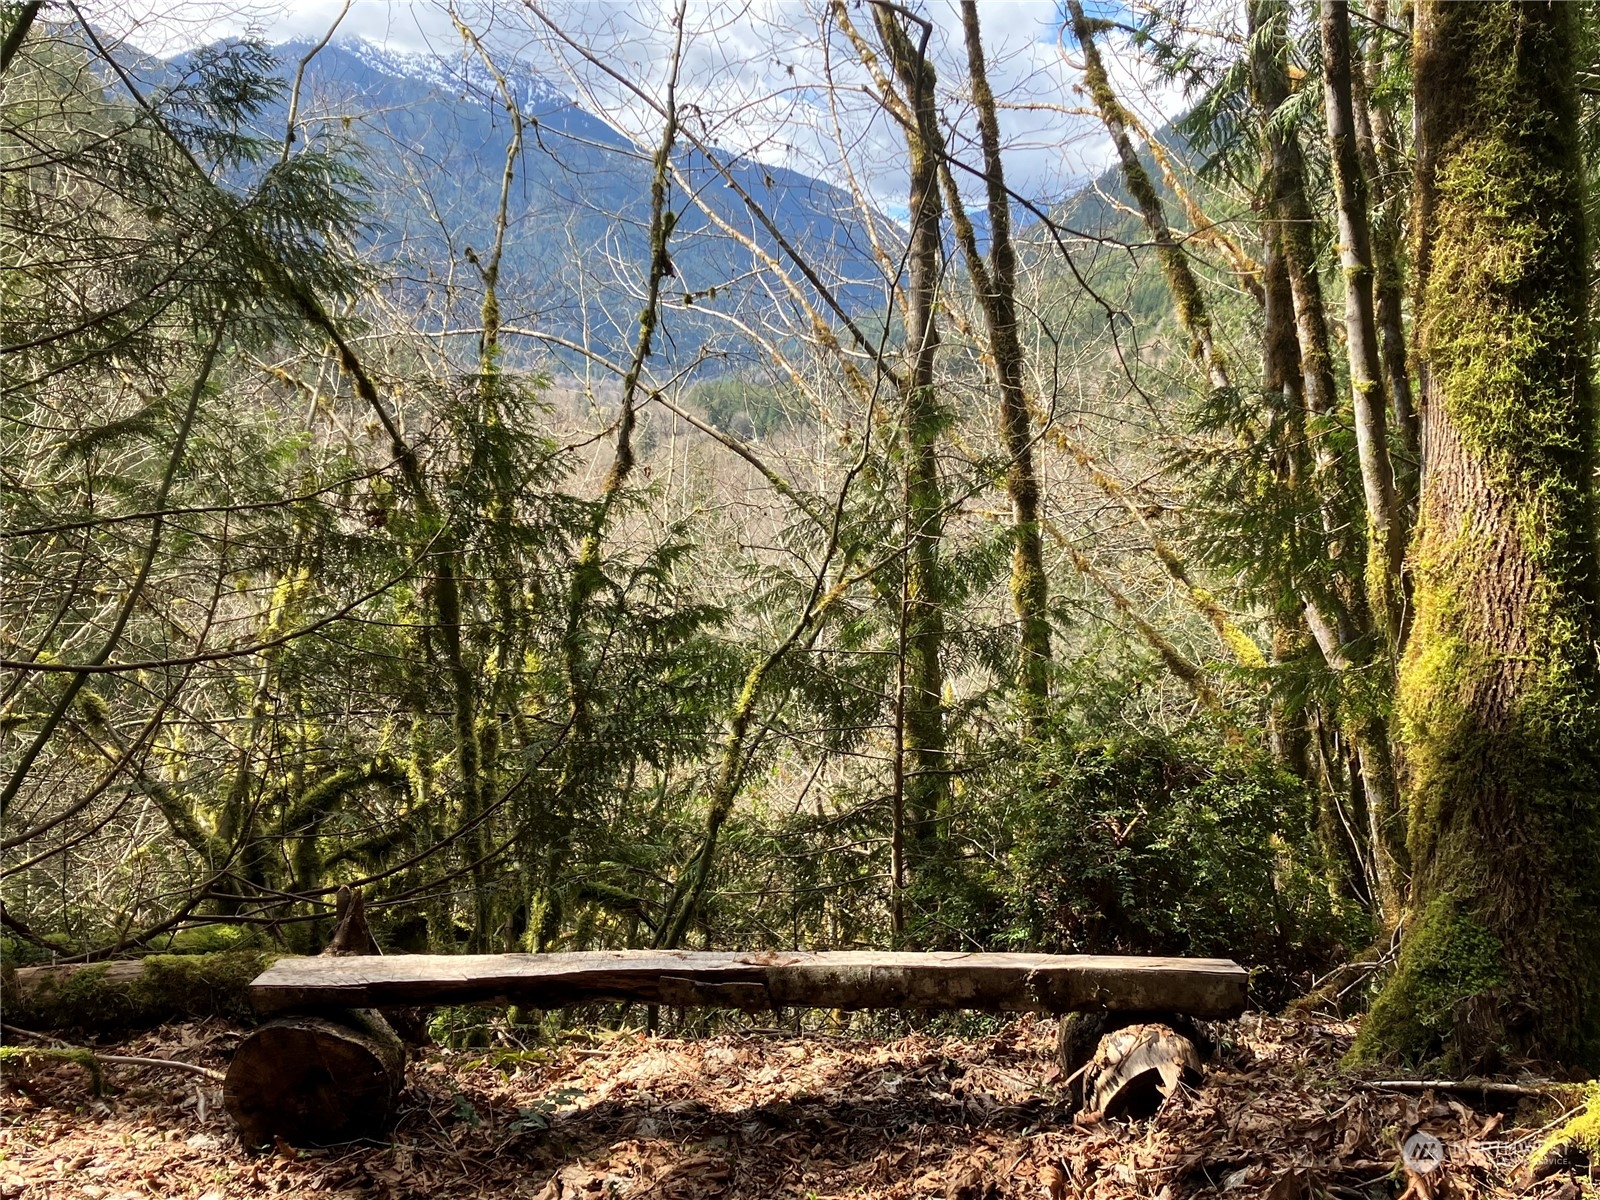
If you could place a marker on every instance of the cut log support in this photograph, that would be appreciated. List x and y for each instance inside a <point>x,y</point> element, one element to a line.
<point>315,1080</point>
<point>1082,1051</point>
<point>1052,983</point>
<point>1137,1067</point>
<point>319,1080</point>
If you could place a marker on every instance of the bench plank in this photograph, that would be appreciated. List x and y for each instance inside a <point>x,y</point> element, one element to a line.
<point>848,979</point>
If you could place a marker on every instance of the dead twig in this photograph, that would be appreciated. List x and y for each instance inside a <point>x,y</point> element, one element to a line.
<point>122,1060</point>
<point>1535,1087</point>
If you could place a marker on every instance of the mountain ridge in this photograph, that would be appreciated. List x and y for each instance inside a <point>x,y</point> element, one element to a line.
<point>432,133</point>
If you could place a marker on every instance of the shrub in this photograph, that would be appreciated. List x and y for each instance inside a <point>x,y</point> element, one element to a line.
<point>1162,846</point>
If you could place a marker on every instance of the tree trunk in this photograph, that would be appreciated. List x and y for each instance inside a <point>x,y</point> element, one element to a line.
<point>1385,531</point>
<point>112,997</point>
<point>1288,719</point>
<point>1181,282</point>
<point>924,503</point>
<point>1381,164</point>
<point>1341,623</point>
<point>1289,211</point>
<point>1120,1063</point>
<point>997,289</point>
<point>1280,349</point>
<point>1369,735</point>
<point>1194,318</point>
<point>1498,689</point>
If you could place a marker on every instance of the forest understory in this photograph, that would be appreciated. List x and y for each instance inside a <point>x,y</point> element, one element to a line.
<point>500,485</point>
<point>768,1113</point>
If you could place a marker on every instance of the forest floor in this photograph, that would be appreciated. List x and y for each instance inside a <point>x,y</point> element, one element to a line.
<point>776,1115</point>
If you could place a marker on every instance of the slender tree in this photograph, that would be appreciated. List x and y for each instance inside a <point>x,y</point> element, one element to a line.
<point>1378,142</point>
<point>996,284</point>
<point>924,418</point>
<point>1385,527</point>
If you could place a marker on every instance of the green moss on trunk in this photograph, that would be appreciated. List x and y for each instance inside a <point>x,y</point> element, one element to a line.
<point>1499,694</point>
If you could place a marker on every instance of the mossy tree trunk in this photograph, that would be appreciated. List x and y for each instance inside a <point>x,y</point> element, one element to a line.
<point>1340,620</point>
<point>1369,406</point>
<point>925,418</point>
<point>1378,143</point>
<point>996,282</point>
<point>1499,687</point>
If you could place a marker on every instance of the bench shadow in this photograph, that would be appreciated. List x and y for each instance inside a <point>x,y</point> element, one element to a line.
<point>817,1143</point>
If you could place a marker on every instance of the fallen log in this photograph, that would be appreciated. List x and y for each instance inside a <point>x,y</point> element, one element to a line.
<point>132,994</point>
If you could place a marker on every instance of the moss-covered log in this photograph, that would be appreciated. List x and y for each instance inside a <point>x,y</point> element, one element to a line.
<point>113,997</point>
<point>1499,692</point>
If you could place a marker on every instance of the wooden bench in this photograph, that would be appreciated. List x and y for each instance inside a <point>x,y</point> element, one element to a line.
<point>327,1067</point>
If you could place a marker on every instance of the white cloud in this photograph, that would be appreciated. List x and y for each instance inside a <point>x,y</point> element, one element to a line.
<point>166,27</point>
<point>755,71</point>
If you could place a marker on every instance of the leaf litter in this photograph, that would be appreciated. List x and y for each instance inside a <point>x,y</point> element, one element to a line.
<point>762,1115</point>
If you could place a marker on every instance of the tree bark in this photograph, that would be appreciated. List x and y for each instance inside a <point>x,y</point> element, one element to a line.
<point>925,789</point>
<point>1385,530</point>
<point>1499,691</point>
<point>997,292</point>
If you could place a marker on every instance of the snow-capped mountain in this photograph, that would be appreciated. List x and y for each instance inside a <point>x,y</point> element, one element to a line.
<point>462,73</point>
<point>433,132</point>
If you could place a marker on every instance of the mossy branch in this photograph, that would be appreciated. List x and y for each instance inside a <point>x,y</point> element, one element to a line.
<point>72,1054</point>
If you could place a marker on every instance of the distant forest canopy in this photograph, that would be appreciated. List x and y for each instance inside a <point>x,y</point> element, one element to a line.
<point>578,541</point>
